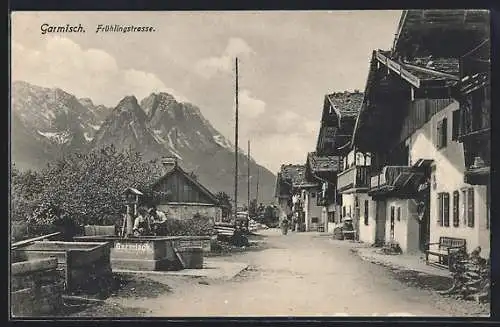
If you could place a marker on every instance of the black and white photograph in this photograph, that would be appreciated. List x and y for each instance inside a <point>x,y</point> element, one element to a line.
<point>249,163</point>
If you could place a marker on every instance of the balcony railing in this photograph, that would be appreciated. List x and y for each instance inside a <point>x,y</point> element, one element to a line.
<point>401,181</point>
<point>387,177</point>
<point>355,177</point>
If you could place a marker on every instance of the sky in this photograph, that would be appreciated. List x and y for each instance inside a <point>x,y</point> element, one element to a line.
<point>288,61</point>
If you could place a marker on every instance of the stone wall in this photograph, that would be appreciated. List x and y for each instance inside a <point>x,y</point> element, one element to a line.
<point>36,288</point>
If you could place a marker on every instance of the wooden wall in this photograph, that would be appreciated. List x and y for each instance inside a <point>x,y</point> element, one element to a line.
<point>180,189</point>
<point>419,112</point>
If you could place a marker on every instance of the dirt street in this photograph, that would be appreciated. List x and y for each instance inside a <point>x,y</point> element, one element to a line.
<point>299,274</point>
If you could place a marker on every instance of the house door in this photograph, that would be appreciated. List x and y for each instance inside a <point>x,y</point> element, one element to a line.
<point>424,235</point>
<point>393,209</point>
<point>424,216</point>
<point>380,220</point>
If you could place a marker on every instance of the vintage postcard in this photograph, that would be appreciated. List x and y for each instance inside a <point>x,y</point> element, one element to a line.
<point>250,163</point>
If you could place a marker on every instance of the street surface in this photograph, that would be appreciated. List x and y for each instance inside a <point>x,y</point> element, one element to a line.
<point>301,274</point>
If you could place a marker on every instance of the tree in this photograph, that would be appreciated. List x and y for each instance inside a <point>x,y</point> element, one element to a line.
<point>225,202</point>
<point>87,188</point>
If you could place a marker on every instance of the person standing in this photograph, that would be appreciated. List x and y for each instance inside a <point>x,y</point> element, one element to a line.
<point>284,225</point>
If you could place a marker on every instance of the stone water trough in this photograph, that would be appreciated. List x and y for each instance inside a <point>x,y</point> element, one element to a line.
<point>36,288</point>
<point>83,266</point>
<point>153,253</point>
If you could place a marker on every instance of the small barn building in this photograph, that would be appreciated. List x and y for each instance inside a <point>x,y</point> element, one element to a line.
<point>182,196</point>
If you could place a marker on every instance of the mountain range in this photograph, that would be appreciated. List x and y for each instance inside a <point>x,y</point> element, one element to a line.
<point>47,123</point>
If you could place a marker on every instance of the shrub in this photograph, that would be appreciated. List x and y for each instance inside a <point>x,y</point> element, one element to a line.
<point>196,226</point>
<point>80,189</point>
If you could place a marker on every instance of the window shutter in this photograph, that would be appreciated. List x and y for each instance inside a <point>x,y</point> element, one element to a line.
<point>438,134</point>
<point>456,125</point>
<point>456,218</point>
<point>446,211</point>
<point>470,207</point>
<point>440,209</point>
<point>444,132</point>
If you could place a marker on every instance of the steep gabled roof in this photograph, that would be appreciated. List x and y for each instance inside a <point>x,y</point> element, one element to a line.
<point>346,103</point>
<point>294,174</point>
<point>177,169</point>
<point>322,163</point>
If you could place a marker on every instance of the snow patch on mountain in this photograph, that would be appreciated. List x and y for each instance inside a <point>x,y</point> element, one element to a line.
<point>223,142</point>
<point>157,136</point>
<point>57,137</point>
<point>87,136</point>
<point>170,142</point>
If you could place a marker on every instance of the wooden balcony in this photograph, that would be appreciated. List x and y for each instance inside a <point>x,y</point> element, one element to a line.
<point>353,178</point>
<point>397,181</point>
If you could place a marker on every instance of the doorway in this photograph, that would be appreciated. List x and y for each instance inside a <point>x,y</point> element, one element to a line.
<point>380,220</point>
<point>391,235</point>
<point>424,213</point>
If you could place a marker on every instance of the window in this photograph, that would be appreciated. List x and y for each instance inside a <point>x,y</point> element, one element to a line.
<point>464,207</point>
<point>456,202</point>
<point>313,195</point>
<point>314,220</point>
<point>319,200</point>
<point>331,217</point>
<point>441,136</point>
<point>470,207</point>
<point>444,209</point>
<point>366,212</point>
<point>455,125</point>
<point>399,214</point>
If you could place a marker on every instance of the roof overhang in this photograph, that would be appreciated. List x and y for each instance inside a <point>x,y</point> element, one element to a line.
<point>436,22</point>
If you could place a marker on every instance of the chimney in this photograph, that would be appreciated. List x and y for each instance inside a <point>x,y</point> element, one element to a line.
<point>169,162</point>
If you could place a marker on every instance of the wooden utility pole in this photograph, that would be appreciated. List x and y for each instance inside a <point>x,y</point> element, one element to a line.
<point>248,177</point>
<point>236,148</point>
<point>257,187</point>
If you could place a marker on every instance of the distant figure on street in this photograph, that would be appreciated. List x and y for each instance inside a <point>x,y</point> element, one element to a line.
<point>284,225</point>
<point>141,224</point>
<point>158,220</point>
<point>295,227</point>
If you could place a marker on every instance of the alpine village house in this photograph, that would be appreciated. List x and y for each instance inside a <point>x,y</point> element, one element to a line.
<point>413,150</point>
<point>425,121</point>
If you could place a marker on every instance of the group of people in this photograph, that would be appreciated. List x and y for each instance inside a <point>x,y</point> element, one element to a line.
<point>149,222</point>
<point>289,221</point>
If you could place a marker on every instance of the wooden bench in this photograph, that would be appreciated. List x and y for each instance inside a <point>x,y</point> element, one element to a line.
<point>443,249</point>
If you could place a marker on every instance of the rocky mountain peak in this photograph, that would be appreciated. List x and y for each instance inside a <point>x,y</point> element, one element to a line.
<point>87,102</point>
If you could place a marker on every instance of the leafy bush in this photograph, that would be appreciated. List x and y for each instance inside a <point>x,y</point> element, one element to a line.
<point>80,189</point>
<point>196,226</point>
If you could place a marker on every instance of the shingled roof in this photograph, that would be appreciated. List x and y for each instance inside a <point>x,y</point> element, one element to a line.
<point>445,65</point>
<point>346,103</point>
<point>293,173</point>
<point>322,163</point>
